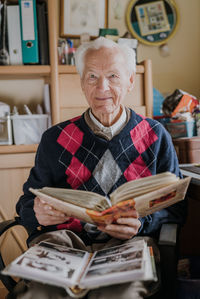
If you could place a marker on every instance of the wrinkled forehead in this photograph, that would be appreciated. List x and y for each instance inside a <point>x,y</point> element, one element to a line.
<point>107,55</point>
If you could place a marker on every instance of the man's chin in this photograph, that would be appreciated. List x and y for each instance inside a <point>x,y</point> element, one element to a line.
<point>103,110</point>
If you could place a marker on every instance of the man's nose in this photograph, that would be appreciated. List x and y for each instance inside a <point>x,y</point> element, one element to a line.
<point>103,83</point>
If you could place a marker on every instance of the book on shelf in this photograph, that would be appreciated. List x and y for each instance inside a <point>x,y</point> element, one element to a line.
<point>192,170</point>
<point>4,54</point>
<point>78,271</point>
<point>43,42</point>
<point>146,195</point>
<point>14,35</point>
<point>29,31</point>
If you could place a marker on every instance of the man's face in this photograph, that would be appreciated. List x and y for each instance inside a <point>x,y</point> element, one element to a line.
<point>105,80</point>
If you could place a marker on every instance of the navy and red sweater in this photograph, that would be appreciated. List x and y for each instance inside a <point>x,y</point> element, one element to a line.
<point>70,155</point>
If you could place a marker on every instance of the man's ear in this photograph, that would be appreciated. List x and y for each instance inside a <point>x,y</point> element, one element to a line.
<point>131,82</point>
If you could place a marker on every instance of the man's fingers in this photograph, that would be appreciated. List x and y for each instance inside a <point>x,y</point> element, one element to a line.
<point>51,221</point>
<point>43,208</point>
<point>53,212</point>
<point>125,228</point>
<point>130,213</point>
<point>47,215</point>
<point>129,221</point>
<point>119,235</point>
<point>122,229</point>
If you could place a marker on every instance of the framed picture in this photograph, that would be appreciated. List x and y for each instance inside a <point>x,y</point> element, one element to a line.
<point>85,16</point>
<point>152,22</point>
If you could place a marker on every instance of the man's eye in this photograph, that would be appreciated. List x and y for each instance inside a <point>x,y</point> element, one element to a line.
<point>92,76</point>
<point>112,76</point>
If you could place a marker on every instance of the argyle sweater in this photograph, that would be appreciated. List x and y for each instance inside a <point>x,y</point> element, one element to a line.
<point>71,156</point>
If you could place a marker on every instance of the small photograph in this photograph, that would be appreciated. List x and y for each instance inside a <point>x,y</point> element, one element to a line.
<point>162,199</point>
<point>64,257</point>
<point>48,255</point>
<point>134,266</point>
<point>117,258</point>
<point>36,266</point>
<point>63,249</point>
<point>120,249</point>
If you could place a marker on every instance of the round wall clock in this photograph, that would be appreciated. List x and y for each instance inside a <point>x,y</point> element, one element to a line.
<point>152,22</point>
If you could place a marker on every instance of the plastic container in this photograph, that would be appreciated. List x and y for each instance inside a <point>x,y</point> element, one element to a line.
<point>28,129</point>
<point>181,129</point>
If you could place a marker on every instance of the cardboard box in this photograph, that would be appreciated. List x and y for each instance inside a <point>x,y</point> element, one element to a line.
<point>188,149</point>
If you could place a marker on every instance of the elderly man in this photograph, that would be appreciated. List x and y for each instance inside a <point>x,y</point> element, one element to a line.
<point>98,151</point>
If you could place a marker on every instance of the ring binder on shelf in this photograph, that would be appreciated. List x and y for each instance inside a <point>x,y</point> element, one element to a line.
<point>14,34</point>
<point>28,21</point>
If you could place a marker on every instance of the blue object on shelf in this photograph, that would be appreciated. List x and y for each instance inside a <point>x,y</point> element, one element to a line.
<point>157,102</point>
<point>181,129</point>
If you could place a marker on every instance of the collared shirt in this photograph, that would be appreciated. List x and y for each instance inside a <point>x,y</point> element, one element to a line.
<point>115,128</point>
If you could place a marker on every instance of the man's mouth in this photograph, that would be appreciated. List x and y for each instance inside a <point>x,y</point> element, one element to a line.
<point>103,98</point>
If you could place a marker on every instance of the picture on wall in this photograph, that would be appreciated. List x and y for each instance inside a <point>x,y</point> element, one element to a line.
<point>152,18</point>
<point>85,16</point>
<point>152,22</point>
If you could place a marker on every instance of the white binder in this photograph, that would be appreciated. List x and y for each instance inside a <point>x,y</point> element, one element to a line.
<point>14,34</point>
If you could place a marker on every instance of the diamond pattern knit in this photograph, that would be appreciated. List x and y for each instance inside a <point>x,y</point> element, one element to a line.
<point>101,166</point>
<point>70,155</point>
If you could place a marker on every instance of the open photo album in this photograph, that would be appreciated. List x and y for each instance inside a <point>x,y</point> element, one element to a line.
<point>78,271</point>
<point>146,195</point>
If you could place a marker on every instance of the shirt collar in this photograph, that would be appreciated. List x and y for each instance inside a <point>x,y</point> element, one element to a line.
<point>115,128</point>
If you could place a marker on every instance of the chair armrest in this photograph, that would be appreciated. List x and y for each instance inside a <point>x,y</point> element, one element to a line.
<point>168,247</point>
<point>8,282</point>
<point>6,224</point>
<point>168,234</point>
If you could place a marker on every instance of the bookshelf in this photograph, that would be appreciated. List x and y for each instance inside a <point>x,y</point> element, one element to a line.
<point>16,160</point>
<point>66,101</point>
<point>56,74</point>
<point>27,70</point>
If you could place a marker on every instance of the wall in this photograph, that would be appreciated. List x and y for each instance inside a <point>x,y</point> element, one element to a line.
<point>22,91</point>
<point>181,69</point>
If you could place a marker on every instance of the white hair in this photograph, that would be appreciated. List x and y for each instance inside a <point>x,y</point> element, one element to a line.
<point>102,42</point>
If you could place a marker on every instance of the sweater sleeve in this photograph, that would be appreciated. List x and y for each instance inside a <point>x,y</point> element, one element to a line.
<point>40,176</point>
<point>166,161</point>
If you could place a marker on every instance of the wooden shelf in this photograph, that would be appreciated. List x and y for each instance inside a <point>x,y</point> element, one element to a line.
<point>22,148</point>
<point>30,70</point>
<point>67,69</point>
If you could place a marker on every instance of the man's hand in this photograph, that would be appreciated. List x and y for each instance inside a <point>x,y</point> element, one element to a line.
<point>125,228</point>
<point>47,215</point>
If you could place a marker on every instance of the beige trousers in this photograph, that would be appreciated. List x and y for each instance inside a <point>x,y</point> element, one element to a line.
<point>133,290</point>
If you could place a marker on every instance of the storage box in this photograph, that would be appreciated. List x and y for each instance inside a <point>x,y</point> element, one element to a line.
<point>188,149</point>
<point>28,129</point>
<point>181,129</point>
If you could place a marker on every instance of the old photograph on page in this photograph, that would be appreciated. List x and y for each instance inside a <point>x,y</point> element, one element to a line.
<point>50,263</point>
<point>118,264</point>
